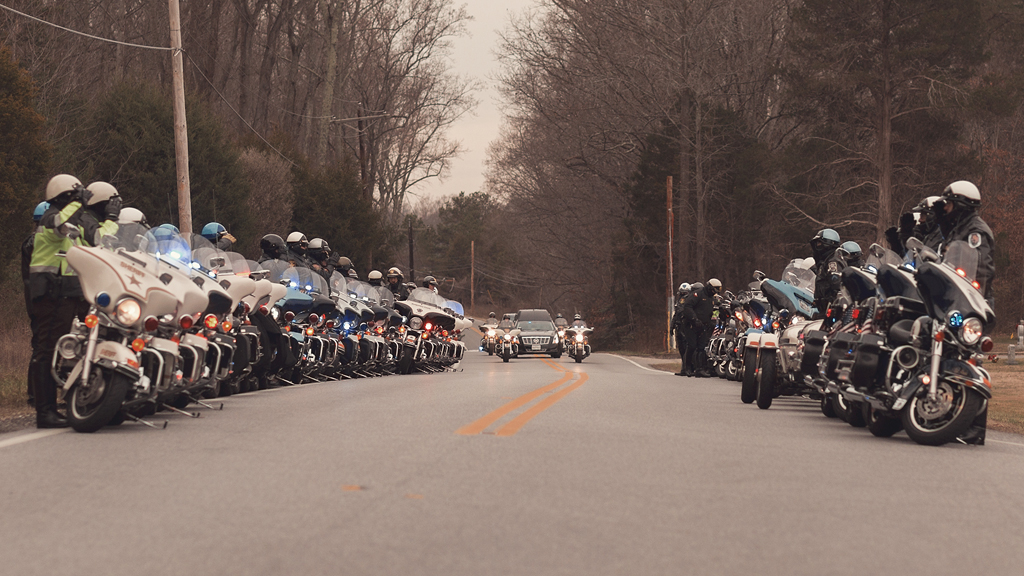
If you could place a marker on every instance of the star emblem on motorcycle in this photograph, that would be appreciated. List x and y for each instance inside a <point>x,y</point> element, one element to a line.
<point>134,281</point>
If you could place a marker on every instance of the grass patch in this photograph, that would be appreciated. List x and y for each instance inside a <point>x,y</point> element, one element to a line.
<point>1006,409</point>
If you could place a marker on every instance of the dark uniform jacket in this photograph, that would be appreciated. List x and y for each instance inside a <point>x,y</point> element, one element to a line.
<point>828,280</point>
<point>698,308</point>
<point>973,230</point>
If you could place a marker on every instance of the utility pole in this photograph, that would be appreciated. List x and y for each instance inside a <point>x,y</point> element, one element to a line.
<point>412,262</point>
<point>180,125</point>
<point>472,272</point>
<point>670,217</point>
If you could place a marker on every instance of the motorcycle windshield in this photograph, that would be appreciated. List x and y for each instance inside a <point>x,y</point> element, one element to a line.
<point>168,245</point>
<point>962,258</point>
<point>385,297</point>
<point>798,276</point>
<point>236,264</point>
<point>130,237</point>
<point>427,296</point>
<point>456,307</point>
<point>339,284</point>
<point>276,270</point>
<point>879,256</point>
<point>359,289</point>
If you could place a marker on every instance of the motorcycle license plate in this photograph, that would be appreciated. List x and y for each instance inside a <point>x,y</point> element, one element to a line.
<point>535,347</point>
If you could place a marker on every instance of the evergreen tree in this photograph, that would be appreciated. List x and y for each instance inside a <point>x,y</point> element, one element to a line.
<point>23,154</point>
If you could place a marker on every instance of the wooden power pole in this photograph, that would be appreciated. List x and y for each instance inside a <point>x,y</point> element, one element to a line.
<point>180,125</point>
<point>670,218</point>
<point>412,262</point>
<point>472,273</point>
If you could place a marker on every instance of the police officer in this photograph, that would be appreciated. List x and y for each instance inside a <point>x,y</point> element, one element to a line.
<point>677,327</point>
<point>577,321</point>
<point>698,309</point>
<point>851,254</point>
<point>960,221</point>
<point>297,246</point>
<point>218,235</point>
<point>375,278</point>
<point>828,267</point>
<point>430,282</point>
<point>26,261</point>
<point>273,248</point>
<point>397,286</point>
<point>72,218</point>
<point>319,254</point>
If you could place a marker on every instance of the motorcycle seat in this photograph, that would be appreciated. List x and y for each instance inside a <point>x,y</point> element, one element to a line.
<point>901,332</point>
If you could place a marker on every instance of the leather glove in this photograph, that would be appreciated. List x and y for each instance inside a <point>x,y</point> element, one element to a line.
<point>892,236</point>
<point>907,222</point>
<point>113,208</point>
<point>229,237</point>
<point>83,194</point>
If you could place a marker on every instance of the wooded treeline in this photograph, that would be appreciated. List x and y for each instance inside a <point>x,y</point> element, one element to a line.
<point>776,118</point>
<point>298,109</point>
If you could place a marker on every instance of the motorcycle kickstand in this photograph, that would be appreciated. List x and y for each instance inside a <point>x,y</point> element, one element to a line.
<point>206,404</point>
<point>146,422</point>
<point>182,412</point>
<point>285,381</point>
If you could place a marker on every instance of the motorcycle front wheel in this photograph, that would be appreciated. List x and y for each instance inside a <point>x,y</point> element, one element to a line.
<point>766,383</point>
<point>94,405</point>
<point>949,415</point>
<point>880,424</point>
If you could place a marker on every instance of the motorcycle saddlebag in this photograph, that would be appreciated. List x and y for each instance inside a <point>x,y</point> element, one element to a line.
<point>864,372</point>
<point>840,347</point>
<point>814,343</point>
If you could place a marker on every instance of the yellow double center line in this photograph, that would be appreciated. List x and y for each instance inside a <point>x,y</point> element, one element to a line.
<point>519,421</point>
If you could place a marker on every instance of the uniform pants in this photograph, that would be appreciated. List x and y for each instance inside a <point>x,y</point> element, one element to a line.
<point>682,346</point>
<point>53,317</point>
<point>699,350</point>
<point>691,343</point>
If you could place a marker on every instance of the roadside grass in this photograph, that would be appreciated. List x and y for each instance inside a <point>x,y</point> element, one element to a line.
<point>15,345</point>
<point>1006,409</point>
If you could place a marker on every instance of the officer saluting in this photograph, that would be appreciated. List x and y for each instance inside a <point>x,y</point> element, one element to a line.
<point>76,215</point>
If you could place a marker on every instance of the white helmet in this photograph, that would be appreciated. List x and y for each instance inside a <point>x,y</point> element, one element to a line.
<point>314,244</point>
<point>715,284</point>
<point>101,192</point>
<point>60,184</point>
<point>296,237</point>
<point>684,288</point>
<point>374,275</point>
<point>963,192</point>
<point>131,216</point>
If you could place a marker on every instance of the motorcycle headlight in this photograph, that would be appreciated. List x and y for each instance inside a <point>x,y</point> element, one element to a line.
<point>970,334</point>
<point>416,323</point>
<point>128,312</point>
<point>275,313</point>
<point>508,337</point>
<point>491,333</point>
<point>579,337</point>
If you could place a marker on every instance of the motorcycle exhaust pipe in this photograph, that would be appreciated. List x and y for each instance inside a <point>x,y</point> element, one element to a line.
<point>908,357</point>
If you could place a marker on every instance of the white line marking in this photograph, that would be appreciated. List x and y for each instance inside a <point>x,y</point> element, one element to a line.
<point>640,366</point>
<point>31,436</point>
<point>1004,442</point>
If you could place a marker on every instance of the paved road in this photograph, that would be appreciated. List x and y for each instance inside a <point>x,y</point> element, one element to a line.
<point>606,468</point>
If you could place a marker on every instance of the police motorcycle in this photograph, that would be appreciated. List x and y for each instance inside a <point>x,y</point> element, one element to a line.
<point>454,338</point>
<point>723,336</point>
<point>254,316</point>
<point>220,338</point>
<point>849,314</point>
<point>922,373</point>
<point>756,312</point>
<point>114,365</point>
<point>780,350</point>
<point>353,314</point>
<point>488,343</point>
<point>308,315</point>
<point>375,352</point>
<point>560,326</point>
<point>426,318</point>
<point>578,346</point>
<point>508,339</point>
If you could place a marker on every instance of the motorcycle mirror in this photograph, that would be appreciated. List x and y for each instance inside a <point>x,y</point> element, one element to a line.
<point>216,262</point>
<point>759,276</point>
<point>877,251</point>
<point>914,243</point>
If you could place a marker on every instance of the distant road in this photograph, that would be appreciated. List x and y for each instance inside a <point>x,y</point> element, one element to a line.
<point>537,466</point>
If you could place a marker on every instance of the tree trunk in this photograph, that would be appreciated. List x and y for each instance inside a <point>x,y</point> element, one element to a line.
<point>330,9</point>
<point>885,135</point>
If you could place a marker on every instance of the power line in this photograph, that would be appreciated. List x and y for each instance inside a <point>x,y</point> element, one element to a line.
<point>232,108</point>
<point>41,21</point>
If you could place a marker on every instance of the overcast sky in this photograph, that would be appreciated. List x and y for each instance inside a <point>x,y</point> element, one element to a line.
<point>474,56</point>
